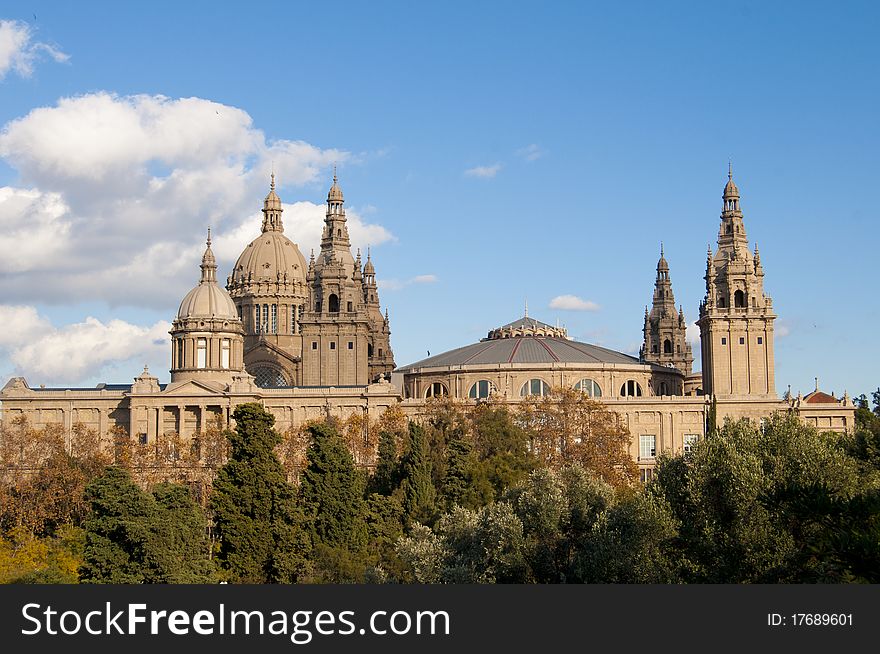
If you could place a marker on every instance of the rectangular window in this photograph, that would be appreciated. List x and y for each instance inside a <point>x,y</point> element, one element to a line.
<point>742,341</point>
<point>349,307</point>
<point>646,474</point>
<point>723,340</point>
<point>351,345</point>
<point>760,340</point>
<point>142,439</point>
<point>265,327</point>
<point>332,345</point>
<point>180,353</point>
<point>224,353</point>
<point>646,446</point>
<point>274,319</point>
<point>257,319</point>
<point>689,442</point>
<point>202,353</point>
<point>293,319</point>
<point>314,345</point>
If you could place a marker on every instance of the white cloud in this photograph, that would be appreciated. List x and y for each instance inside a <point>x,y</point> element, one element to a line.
<point>572,303</point>
<point>45,353</point>
<point>391,284</point>
<point>121,190</point>
<point>531,152</point>
<point>19,52</point>
<point>486,172</point>
<point>692,333</point>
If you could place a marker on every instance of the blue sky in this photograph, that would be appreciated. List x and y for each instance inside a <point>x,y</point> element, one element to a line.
<point>506,151</point>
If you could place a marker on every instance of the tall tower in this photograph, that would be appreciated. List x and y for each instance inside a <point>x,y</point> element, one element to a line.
<point>665,328</point>
<point>736,317</point>
<point>343,329</point>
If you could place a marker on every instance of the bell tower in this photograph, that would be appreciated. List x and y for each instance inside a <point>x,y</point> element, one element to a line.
<point>736,317</point>
<point>665,328</point>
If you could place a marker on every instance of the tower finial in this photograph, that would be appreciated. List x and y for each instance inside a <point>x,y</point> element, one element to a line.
<point>334,172</point>
<point>729,169</point>
<point>272,179</point>
<point>661,249</point>
<point>209,237</point>
<point>526,309</point>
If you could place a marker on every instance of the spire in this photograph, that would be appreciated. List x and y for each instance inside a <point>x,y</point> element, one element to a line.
<point>526,313</point>
<point>272,209</point>
<point>662,264</point>
<point>209,263</point>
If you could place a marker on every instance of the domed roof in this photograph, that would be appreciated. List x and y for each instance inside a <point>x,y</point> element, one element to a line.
<point>269,255</point>
<point>730,189</point>
<point>662,264</point>
<point>272,201</point>
<point>208,300</point>
<point>369,268</point>
<point>335,194</point>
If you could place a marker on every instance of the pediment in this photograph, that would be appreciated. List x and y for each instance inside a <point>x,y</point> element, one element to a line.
<point>195,387</point>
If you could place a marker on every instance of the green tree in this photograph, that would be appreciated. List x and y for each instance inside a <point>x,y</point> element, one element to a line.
<point>386,476</point>
<point>418,487</point>
<point>179,549</point>
<point>331,491</point>
<point>457,489</point>
<point>501,448</point>
<point>117,530</point>
<point>255,512</point>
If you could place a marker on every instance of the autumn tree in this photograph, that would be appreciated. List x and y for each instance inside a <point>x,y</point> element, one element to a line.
<point>569,427</point>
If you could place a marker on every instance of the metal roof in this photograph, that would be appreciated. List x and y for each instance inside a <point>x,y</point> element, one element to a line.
<point>526,349</point>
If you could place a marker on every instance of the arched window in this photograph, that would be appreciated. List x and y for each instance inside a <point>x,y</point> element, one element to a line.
<point>588,386</point>
<point>535,387</point>
<point>480,390</point>
<point>436,390</point>
<point>631,389</point>
<point>339,233</point>
<point>667,346</point>
<point>269,378</point>
<point>333,303</point>
<point>721,301</point>
<point>662,388</point>
<point>739,299</point>
<point>380,352</point>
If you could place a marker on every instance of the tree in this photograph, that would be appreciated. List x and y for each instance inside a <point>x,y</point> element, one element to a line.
<point>255,511</point>
<point>117,530</point>
<point>501,447</point>
<point>331,491</point>
<point>457,489</point>
<point>735,498</point>
<point>135,537</point>
<point>386,476</point>
<point>418,487</point>
<point>569,427</point>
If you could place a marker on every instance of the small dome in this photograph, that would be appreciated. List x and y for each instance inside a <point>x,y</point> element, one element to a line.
<point>269,255</point>
<point>730,189</point>
<point>662,264</point>
<point>207,300</point>
<point>369,269</point>
<point>335,194</point>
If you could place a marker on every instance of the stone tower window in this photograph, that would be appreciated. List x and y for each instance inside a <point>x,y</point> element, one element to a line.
<point>739,299</point>
<point>721,301</point>
<point>333,303</point>
<point>667,346</point>
<point>380,352</point>
<point>349,307</point>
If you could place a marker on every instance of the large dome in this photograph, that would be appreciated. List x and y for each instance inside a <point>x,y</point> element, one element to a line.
<point>269,256</point>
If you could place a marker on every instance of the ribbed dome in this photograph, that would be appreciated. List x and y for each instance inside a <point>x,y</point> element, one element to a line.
<point>207,300</point>
<point>268,255</point>
<point>335,194</point>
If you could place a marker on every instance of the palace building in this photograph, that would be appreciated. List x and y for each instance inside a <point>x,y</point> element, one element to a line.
<point>308,339</point>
